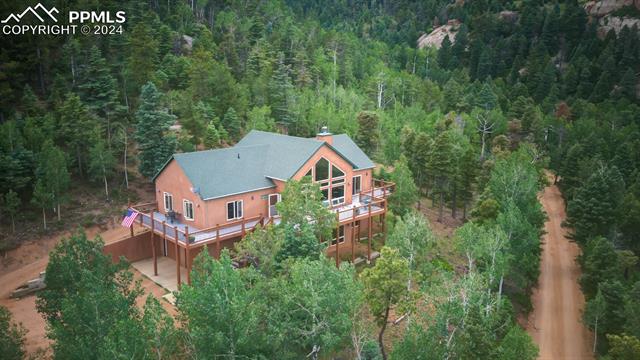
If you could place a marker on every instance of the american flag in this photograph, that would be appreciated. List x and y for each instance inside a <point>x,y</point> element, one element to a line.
<point>129,218</point>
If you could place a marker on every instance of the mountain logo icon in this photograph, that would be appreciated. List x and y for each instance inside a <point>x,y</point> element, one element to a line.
<point>35,11</point>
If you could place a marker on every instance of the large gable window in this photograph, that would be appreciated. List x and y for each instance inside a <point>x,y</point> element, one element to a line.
<point>336,172</point>
<point>322,169</point>
<point>331,180</point>
<point>234,210</point>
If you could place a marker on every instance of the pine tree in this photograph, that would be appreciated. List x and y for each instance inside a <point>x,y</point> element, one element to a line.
<point>459,48</point>
<point>232,124</point>
<point>603,87</point>
<point>212,136</point>
<point>485,64</point>
<point>593,211</point>
<point>406,193</point>
<point>444,54</point>
<point>143,56</point>
<point>585,86</point>
<point>419,160</point>
<point>280,93</point>
<point>97,89</point>
<point>76,124</point>
<point>10,205</point>
<point>546,82</point>
<point>155,145</point>
<point>466,173</point>
<point>368,136</point>
<point>441,168</point>
<point>628,84</point>
<point>196,124</point>
<point>486,98</point>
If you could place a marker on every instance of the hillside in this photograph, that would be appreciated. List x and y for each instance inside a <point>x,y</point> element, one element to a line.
<point>467,102</point>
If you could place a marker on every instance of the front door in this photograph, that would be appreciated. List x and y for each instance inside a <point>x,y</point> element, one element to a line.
<point>273,200</point>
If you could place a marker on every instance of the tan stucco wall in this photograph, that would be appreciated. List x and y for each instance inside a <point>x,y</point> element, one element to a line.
<point>206,213</point>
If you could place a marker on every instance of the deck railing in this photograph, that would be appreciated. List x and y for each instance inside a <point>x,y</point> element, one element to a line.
<point>372,202</point>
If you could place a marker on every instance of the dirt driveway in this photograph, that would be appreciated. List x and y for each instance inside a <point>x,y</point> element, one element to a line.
<point>555,323</point>
<point>28,261</point>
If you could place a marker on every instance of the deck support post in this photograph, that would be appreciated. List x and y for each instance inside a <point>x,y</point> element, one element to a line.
<point>338,239</point>
<point>218,241</point>
<point>175,228</point>
<point>164,238</point>
<point>353,236</point>
<point>187,254</point>
<point>370,221</point>
<point>243,231</point>
<point>384,222</point>
<point>131,227</point>
<point>153,246</point>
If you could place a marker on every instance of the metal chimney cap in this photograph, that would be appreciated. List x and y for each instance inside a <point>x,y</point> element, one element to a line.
<point>324,131</point>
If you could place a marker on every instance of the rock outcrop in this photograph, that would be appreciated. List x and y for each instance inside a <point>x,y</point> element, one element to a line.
<point>435,38</point>
<point>605,7</point>
<point>616,24</point>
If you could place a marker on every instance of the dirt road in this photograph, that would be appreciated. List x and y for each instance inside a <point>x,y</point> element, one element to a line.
<point>555,323</point>
<point>28,261</point>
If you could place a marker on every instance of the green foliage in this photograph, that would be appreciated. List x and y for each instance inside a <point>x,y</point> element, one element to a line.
<point>623,347</point>
<point>76,125</point>
<point>316,303</point>
<point>89,304</point>
<point>406,194</point>
<point>260,249</point>
<point>299,242</point>
<point>517,345</point>
<point>11,337</point>
<point>53,179</point>
<point>368,136</point>
<point>230,324</point>
<point>301,208</point>
<point>156,146</point>
<point>101,163</point>
<point>593,210</point>
<point>412,238</point>
<point>385,287</point>
<point>10,205</point>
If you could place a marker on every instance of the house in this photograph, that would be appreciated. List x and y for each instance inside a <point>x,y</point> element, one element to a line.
<point>213,198</point>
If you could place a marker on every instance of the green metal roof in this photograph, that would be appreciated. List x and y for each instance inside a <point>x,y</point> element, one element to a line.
<point>255,160</point>
<point>286,154</point>
<point>348,149</point>
<point>223,172</point>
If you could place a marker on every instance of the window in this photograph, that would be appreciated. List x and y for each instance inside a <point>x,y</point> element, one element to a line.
<point>340,236</point>
<point>308,173</point>
<point>337,194</point>
<point>188,209</point>
<point>325,196</point>
<point>234,210</point>
<point>322,169</point>
<point>356,187</point>
<point>335,172</point>
<point>168,202</point>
